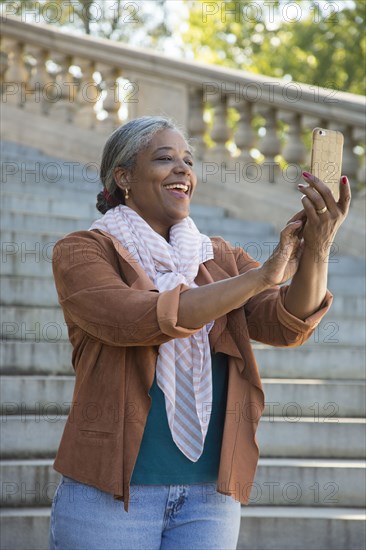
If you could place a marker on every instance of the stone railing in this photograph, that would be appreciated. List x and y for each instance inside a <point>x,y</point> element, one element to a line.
<point>232,116</point>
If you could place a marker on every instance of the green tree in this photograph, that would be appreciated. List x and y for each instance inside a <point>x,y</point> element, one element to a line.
<point>306,41</point>
<point>313,41</point>
<point>137,22</point>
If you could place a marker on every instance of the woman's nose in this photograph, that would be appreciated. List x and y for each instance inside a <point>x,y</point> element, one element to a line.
<point>182,167</point>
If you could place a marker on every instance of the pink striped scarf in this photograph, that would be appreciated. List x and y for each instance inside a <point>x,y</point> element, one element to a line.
<point>183,369</point>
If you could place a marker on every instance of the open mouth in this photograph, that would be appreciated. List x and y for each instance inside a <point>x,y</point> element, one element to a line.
<point>178,188</point>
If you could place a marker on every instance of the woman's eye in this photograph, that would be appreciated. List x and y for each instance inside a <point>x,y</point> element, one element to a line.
<point>168,158</point>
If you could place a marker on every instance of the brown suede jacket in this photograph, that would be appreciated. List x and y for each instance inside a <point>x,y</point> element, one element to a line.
<point>116,320</point>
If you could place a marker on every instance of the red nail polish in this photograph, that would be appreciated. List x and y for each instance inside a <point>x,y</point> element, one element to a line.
<point>344,180</point>
<point>306,174</point>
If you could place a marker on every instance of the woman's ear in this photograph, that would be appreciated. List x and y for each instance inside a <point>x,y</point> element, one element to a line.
<point>120,177</point>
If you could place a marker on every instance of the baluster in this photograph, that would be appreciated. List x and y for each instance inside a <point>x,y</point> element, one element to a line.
<point>359,139</point>
<point>270,146</point>
<point>294,151</point>
<point>111,102</point>
<point>350,163</point>
<point>4,66</point>
<point>220,131</point>
<point>36,96</point>
<point>196,123</point>
<point>63,93</point>
<point>361,173</point>
<point>245,139</point>
<point>87,96</point>
<point>16,76</point>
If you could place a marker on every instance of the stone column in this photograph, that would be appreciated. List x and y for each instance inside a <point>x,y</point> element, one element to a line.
<point>196,124</point>
<point>62,98</point>
<point>16,75</point>
<point>245,139</point>
<point>350,163</point>
<point>220,131</point>
<point>36,97</point>
<point>87,95</point>
<point>270,146</point>
<point>111,101</point>
<point>294,151</point>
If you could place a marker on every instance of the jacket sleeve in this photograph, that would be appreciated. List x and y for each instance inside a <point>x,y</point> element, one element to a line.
<point>268,320</point>
<point>95,297</point>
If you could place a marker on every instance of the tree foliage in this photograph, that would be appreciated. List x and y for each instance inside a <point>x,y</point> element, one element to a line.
<point>138,22</point>
<point>307,41</point>
<point>318,42</point>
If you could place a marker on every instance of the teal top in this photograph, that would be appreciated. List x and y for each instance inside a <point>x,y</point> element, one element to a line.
<point>159,461</point>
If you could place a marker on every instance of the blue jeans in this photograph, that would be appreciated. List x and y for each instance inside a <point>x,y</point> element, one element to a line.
<point>160,517</point>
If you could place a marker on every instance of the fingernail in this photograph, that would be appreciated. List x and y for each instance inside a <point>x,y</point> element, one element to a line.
<point>306,175</point>
<point>344,180</point>
<point>301,185</point>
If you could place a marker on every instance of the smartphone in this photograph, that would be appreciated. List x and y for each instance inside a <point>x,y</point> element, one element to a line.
<point>326,157</point>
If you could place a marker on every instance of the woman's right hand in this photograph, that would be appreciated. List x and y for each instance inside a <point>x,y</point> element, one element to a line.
<point>198,306</point>
<point>284,261</point>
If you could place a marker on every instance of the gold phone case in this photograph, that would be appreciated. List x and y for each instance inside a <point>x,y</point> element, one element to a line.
<point>326,157</point>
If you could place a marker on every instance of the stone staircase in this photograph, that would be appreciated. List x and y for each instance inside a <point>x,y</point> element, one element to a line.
<point>309,492</point>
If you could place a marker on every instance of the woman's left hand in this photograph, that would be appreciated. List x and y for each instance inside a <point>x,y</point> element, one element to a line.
<point>324,215</point>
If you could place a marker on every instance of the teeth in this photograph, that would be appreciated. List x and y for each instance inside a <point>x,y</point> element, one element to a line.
<point>177,186</point>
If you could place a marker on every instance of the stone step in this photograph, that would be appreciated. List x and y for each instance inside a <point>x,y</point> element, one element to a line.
<point>312,360</point>
<point>309,482</point>
<point>262,528</point>
<point>236,231</point>
<point>28,395</point>
<point>33,323</point>
<point>299,437</point>
<point>201,211</point>
<point>15,163</point>
<point>31,222</point>
<point>18,244</point>
<point>19,153</point>
<point>52,206</point>
<point>28,291</point>
<point>29,253</point>
<point>347,286</point>
<point>51,185</point>
<point>25,528</point>
<point>38,435</point>
<point>17,149</point>
<point>66,205</point>
<point>28,358</point>
<point>321,400</point>
<point>21,197</point>
<point>346,265</point>
<point>49,172</point>
<point>41,291</point>
<point>235,226</point>
<point>44,323</point>
<point>278,482</point>
<point>292,528</point>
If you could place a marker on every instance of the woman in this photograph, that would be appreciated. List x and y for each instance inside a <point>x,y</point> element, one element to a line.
<point>167,393</point>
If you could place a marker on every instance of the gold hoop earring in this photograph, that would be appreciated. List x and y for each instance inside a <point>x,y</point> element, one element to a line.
<point>126,193</point>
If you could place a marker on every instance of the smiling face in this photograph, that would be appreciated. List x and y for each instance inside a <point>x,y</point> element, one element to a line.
<point>162,182</point>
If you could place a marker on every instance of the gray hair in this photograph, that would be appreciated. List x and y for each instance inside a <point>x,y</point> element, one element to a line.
<point>121,149</point>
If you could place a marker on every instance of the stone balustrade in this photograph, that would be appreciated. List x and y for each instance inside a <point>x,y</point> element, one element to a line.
<point>232,116</point>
